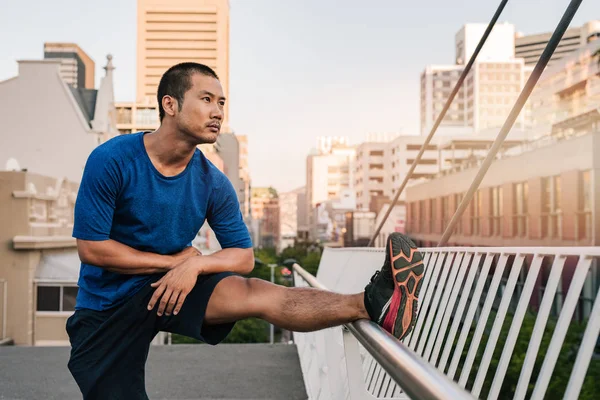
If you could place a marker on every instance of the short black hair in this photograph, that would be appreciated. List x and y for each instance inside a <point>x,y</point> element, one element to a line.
<point>177,80</point>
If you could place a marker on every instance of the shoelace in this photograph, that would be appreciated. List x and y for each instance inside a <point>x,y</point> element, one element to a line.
<point>375,275</point>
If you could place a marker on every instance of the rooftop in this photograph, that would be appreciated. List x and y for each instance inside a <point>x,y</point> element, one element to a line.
<point>227,371</point>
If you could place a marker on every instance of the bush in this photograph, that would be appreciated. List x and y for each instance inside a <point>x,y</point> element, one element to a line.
<point>562,371</point>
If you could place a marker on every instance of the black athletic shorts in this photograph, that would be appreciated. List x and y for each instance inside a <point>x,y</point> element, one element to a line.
<point>109,348</point>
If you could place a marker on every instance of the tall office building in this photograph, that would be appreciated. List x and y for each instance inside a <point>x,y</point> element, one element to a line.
<point>77,68</point>
<point>174,31</point>
<point>530,47</point>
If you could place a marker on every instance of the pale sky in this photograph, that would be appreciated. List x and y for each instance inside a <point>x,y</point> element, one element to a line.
<point>298,69</point>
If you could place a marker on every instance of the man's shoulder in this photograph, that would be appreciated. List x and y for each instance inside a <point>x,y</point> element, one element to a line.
<point>215,176</point>
<point>119,150</point>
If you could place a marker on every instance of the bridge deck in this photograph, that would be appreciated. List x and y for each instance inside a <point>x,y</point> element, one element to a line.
<point>228,371</point>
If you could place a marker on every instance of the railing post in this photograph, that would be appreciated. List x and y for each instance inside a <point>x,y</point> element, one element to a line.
<point>356,380</point>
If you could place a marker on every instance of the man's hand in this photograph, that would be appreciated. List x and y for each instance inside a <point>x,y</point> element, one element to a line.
<point>173,288</point>
<point>183,255</point>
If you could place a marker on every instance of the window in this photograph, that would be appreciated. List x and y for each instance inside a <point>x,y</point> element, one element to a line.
<point>376,153</point>
<point>417,147</point>
<point>445,212</point>
<point>497,213</point>
<point>433,212</point>
<point>56,297</point>
<point>584,212</point>
<point>520,219</point>
<point>476,210</point>
<point>551,207</point>
<point>457,200</point>
<point>422,216</point>
<point>146,116</point>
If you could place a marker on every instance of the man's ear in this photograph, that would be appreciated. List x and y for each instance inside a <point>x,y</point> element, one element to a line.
<point>170,105</point>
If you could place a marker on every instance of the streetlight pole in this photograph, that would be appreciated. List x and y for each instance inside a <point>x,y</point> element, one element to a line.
<point>272,328</point>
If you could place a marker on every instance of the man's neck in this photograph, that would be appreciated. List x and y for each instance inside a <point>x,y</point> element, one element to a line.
<point>168,150</point>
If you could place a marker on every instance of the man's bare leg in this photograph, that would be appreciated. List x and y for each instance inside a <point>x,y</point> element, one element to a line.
<point>294,309</point>
<point>390,298</point>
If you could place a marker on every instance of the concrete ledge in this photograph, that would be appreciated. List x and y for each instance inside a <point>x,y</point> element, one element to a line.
<point>43,242</point>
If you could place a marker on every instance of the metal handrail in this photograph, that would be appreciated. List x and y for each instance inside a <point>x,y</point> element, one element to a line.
<point>417,378</point>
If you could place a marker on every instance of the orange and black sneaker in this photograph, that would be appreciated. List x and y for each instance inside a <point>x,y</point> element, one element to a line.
<point>392,295</point>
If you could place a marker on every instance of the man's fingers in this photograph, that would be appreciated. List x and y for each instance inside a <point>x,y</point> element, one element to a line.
<point>171,303</point>
<point>157,293</point>
<point>180,301</point>
<point>157,283</point>
<point>163,301</point>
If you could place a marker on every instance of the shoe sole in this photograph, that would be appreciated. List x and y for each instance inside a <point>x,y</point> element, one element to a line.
<point>407,269</point>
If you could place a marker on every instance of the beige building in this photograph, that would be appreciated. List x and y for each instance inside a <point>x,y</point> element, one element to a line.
<point>484,101</point>
<point>137,117</point>
<point>371,176</point>
<point>245,181</point>
<point>174,31</point>
<point>527,199</point>
<point>41,115</point>
<point>39,264</point>
<point>568,88</point>
<point>329,174</point>
<point>77,68</point>
<point>530,47</point>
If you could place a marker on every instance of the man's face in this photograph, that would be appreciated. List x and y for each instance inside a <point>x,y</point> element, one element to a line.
<point>202,112</point>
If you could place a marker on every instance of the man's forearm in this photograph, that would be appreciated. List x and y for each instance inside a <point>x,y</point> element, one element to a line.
<point>120,258</point>
<point>240,261</point>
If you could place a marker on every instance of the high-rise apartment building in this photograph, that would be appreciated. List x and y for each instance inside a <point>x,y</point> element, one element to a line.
<point>530,47</point>
<point>489,91</point>
<point>174,31</point>
<point>77,68</point>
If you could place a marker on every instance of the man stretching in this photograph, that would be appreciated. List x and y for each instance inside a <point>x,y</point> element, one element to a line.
<point>143,198</point>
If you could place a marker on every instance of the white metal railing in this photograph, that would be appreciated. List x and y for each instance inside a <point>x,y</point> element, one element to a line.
<point>484,313</point>
<point>417,378</point>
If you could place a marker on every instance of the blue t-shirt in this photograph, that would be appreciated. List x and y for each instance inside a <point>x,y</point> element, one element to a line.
<point>123,197</point>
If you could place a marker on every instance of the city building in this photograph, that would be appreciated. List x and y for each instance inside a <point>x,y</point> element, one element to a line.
<point>76,67</point>
<point>265,209</point>
<point>288,217</point>
<point>41,113</point>
<point>174,31</point>
<point>395,222</point>
<point>527,198</point>
<point>371,177</point>
<point>500,44</point>
<point>137,116</point>
<point>568,88</point>
<point>244,175</point>
<point>302,216</point>
<point>530,47</point>
<point>228,149</point>
<point>489,91</point>
<point>39,257</point>
<point>329,173</point>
